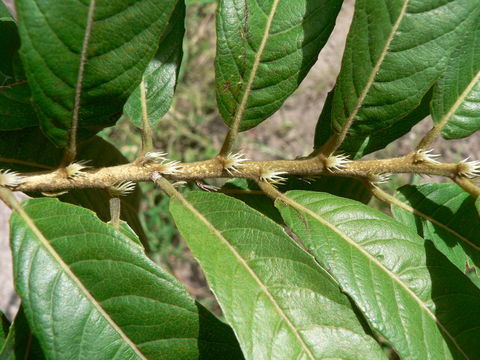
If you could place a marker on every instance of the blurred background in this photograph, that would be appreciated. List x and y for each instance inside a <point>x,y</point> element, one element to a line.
<point>193,130</point>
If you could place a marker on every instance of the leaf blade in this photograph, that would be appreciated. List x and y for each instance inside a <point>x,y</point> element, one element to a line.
<point>280,331</point>
<point>446,215</point>
<point>98,67</point>
<point>253,37</point>
<point>130,306</point>
<point>387,67</point>
<point>457,94</point>
<point>372,270</point>
<point>160,77</point>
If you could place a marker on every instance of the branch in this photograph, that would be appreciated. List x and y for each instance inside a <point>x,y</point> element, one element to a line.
<point>269,171</point>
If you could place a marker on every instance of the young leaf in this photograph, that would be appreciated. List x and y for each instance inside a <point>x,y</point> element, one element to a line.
<point>90,292</point>
<point>456,100</point>
<point>264,50</point>
<point>395,51</point>
<point>446,215</point>
<point>408,291</point>
<point>160,78</point>
<point>28,150</point>
<point>83,59</point>
<point>281,304</point>
<point>16,111</point>
<point>20,344</point>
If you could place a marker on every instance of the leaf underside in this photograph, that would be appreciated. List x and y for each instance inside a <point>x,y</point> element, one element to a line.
<point>445,215</point>
<point>408,291</point>
<point>280,303</point>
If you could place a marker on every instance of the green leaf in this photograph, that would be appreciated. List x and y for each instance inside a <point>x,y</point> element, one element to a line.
<point>83,59</point>
<point>20,343</point>
<point>28,150</point>
<point>408,291</point>
<point>456,101</point>
<point>161,75</point>
<point>281,304</point>
<point>90,292</point>
<point>395,52</point>
<point>357,146</point>
<point>250,193</point>
<point>16,111</point>
<point>264,50</point>
<point>445,215</point>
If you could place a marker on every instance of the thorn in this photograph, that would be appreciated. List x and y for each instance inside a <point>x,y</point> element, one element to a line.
<point>10,179</point>
<point>75,169</point>
<point>337,162</point>
<point>425,156</point>
<point>121,189</point>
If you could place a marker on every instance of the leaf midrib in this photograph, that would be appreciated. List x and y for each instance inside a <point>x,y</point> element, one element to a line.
<point>373,260</point>
<point>81,73</point>
<point>256,63</point>
<point>417,212</point>
<point>45,243</point>
<point>373,73</point>
<point>242,261</point>
<point>445,119</point>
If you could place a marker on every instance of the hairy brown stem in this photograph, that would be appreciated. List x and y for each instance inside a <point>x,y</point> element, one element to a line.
<point>106,177</point>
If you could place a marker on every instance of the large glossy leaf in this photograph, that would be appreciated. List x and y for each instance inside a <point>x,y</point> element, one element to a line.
<point>264,50</point>
<point>358,145</point>
<point>446,215</point>
<point>456,101</point>
<point>281,304</point>
<point>90,292</point>
<point>408,291</point>
<point>28,150</point>
<point>395,51</point>
<point>16,111</point>
<point>83,59</point>
<point>20,343</point>
<point>160,78</point>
